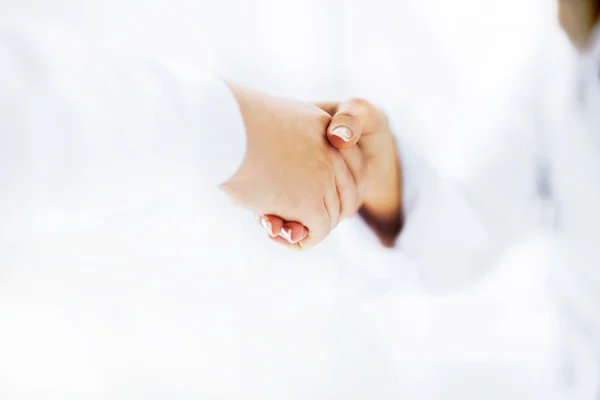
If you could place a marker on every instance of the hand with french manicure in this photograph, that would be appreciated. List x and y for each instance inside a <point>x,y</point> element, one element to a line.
<point>357,124</point>
<point>291,171</point>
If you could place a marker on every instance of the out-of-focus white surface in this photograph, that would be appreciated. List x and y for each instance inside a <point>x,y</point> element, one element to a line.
<point>450,63</point>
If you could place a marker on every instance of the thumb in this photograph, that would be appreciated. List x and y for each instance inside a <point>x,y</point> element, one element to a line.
<point>344,131</point>
<point>352,120</point>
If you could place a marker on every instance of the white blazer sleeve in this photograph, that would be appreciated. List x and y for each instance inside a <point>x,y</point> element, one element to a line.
<point>84,127</point>
<point>589,80</point>
<point>455,231</point>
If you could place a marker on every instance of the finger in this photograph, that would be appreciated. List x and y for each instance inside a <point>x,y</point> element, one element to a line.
<point>293,232</point>
<point>311,210</point>
<point>272,224</point>
<point>356,162</point>
<point>320,220</point>
<point>353,119</point>
<point>346,186</point>
<point>289,234</point>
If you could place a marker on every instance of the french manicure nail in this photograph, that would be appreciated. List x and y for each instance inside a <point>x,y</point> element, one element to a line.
<point>286,234</point>
<point>266,224</point>
<point>343,133</point>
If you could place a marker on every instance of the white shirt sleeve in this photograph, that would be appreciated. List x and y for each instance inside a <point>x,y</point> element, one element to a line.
<point>589,79</point>
<point>85,128</point>
<point>455,231</point>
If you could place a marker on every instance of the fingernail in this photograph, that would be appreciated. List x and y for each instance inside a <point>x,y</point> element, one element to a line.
<point>266,224</point>
<point>343,133</point>
<point>286,234</point>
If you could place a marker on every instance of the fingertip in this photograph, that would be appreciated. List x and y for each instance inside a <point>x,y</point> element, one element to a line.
<point>272,224</point>
<point>341,137</point>
<point>346,128</point>
<point>343,132</point>
<point>294,232</point>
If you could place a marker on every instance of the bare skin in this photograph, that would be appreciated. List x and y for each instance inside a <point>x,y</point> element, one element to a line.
<point>578,19</point>
<point>290,169</point>
<point>382,205</point>
<point>362,127</point>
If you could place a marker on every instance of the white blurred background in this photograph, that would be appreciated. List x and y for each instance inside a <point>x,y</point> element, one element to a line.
<point>452,67</point>
<point>450,63</point>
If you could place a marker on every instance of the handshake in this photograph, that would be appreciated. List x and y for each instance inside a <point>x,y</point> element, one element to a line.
<point>307,167</point>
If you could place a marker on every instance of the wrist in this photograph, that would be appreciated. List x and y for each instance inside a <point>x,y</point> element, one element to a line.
<point>382,207</point>
<point>251,106</point>
<point>578,19</point>
<point>259,117</point>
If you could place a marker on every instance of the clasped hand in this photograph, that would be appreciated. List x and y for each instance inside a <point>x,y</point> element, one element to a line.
<point>307,167</point>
